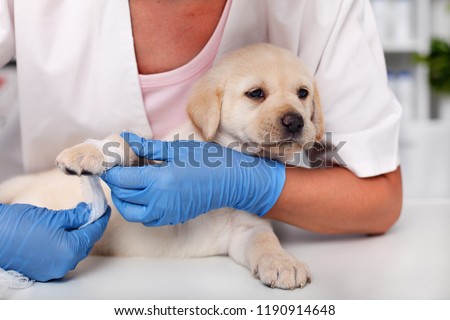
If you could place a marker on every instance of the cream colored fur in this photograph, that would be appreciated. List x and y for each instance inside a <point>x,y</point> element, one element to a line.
<point>220,110</point>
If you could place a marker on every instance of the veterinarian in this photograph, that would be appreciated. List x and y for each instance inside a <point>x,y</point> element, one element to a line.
<point>86,69</point>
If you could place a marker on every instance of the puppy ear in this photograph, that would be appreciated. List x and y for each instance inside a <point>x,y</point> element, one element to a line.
<point>317,116</point>
<point>205,105</point>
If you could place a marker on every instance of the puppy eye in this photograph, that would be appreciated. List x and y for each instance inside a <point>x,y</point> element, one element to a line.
<point>302,93</point>
<point>255,94</point>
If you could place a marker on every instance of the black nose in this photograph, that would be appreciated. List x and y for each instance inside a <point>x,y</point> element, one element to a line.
<point>293,122</point>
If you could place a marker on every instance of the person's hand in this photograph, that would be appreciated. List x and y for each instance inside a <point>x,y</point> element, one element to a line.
<point>45,244</point>
<point>194,178</point>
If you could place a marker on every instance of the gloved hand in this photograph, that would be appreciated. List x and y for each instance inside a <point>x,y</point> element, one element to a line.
<point>45,244</point>
<point>195,177</point>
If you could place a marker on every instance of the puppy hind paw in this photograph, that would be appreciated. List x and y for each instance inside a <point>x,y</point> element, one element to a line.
<point>82,159</point>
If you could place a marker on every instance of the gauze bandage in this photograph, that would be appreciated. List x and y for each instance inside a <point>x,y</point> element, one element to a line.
<point>94,196</point>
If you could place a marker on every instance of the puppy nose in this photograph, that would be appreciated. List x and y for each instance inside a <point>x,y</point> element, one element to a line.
<point>293,122</point>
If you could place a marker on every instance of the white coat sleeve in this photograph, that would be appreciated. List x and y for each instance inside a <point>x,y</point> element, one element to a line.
<point>360,110</point>
<point>7,42</point>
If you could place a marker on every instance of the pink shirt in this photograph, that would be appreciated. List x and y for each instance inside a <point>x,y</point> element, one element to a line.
<point>166,94</point>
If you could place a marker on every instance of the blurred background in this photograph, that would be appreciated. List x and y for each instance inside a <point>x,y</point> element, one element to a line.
<point>416,37</point>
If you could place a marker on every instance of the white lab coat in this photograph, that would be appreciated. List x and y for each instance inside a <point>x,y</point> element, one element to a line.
<point>78,76</point>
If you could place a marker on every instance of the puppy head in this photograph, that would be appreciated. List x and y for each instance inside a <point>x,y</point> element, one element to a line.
<point>259,94</point>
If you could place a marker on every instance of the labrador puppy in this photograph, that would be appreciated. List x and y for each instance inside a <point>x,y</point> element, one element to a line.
<point>259,99</point>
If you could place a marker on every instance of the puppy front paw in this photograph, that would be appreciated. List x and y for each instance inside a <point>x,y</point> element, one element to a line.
<point>82,159</point>
<point>281,271</point>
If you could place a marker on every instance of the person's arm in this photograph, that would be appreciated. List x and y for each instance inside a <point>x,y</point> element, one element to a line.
<point>329,200</point>
<point>335,201</point>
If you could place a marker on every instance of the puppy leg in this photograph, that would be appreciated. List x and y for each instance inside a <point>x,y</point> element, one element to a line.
<point>258,248</point>
<point>93,157</point>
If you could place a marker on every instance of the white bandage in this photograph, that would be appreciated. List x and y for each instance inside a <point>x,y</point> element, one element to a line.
<point>94,196</point>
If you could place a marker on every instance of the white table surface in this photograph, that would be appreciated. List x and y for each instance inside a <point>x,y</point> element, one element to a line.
<point>412,261</point>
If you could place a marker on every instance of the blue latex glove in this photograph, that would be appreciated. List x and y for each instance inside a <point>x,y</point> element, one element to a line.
<point>44,244</point>
<point>195,177</point>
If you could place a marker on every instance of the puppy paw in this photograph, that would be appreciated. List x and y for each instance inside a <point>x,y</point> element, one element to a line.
<point>82,159</point>
<point>281,271</point>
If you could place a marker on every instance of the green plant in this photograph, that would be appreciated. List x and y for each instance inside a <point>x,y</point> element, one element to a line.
<point>438,61</point>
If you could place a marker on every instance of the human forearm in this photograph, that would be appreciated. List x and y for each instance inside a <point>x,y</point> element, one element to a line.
<point>335,201</point>
<point>330,200</point>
